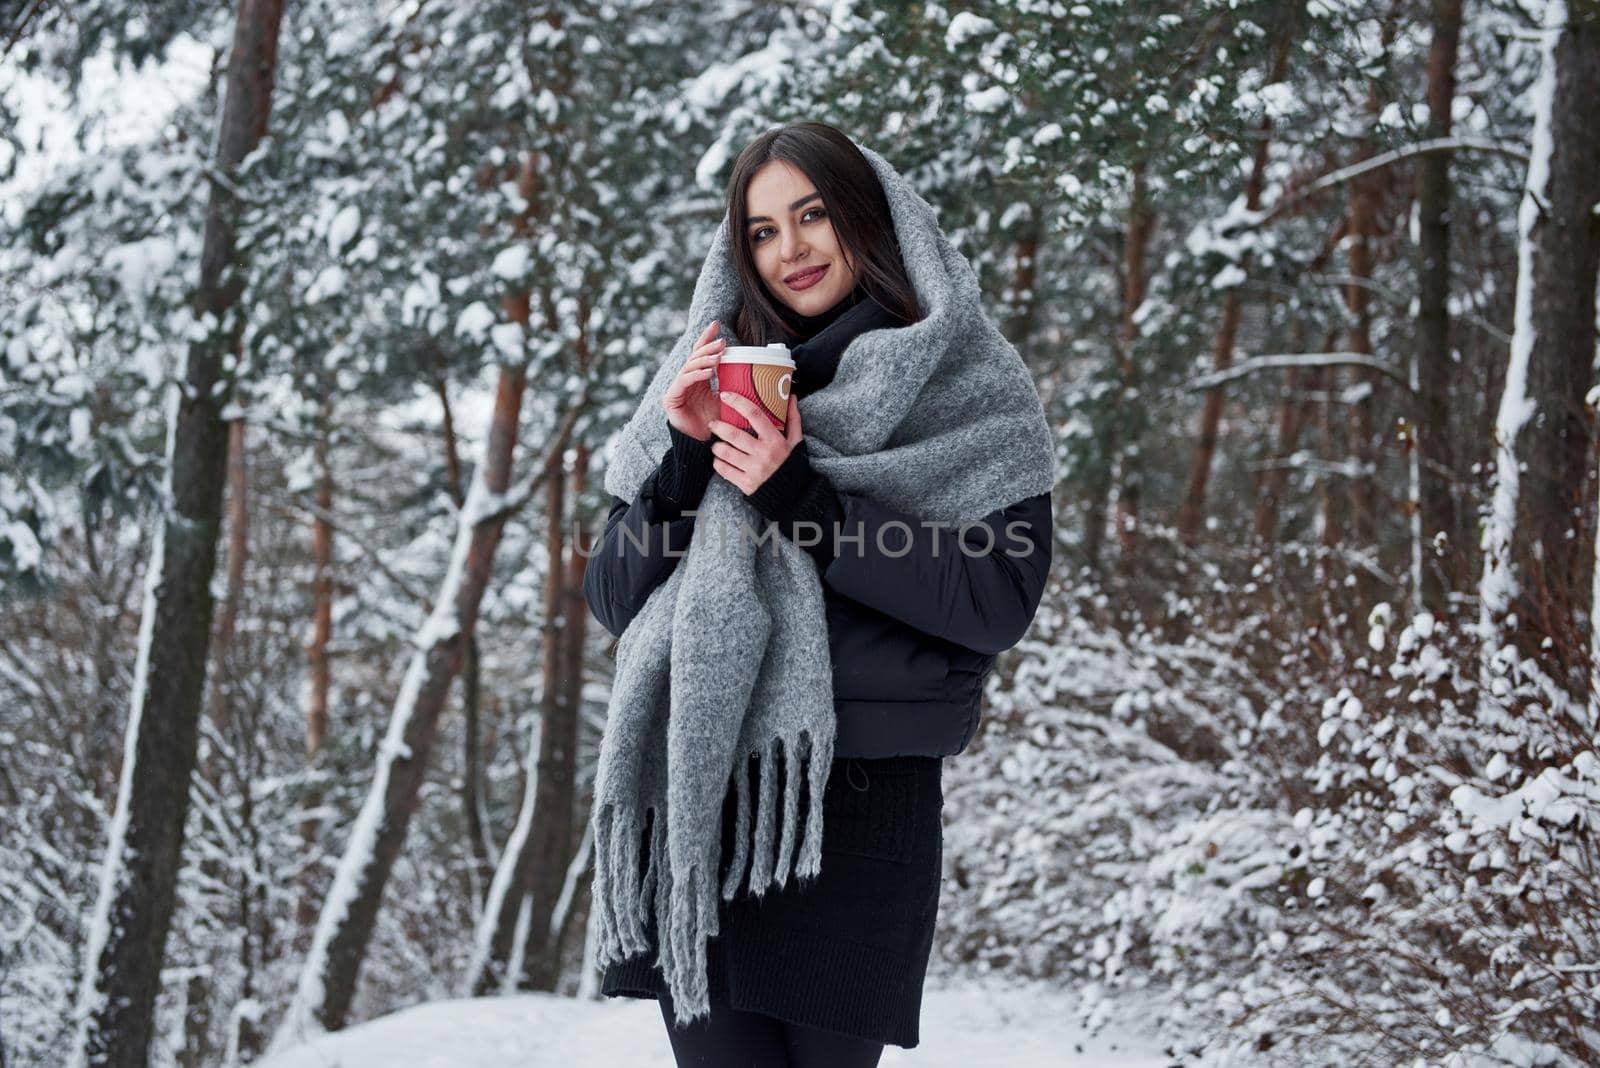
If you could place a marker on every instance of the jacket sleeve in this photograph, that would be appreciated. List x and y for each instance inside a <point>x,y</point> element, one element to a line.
<point>978,586</point>
<point>645,538</point>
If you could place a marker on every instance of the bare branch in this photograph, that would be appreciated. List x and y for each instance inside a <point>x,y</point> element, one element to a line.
<point>296,506</point>
<point>519,493</point>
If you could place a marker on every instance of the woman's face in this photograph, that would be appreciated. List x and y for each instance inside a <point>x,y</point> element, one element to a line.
<point>790,235</point>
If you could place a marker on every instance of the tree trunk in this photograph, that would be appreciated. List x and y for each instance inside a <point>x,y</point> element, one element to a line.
<point>196,1049</point>
<point>472,803</point>
<point>133,912</point>
<point>327,980</point>
<point>452,456</point>
<point>1097,502</point>
<point>529,879</point>
<point>1191,513</point>
<point>576,613</point>
<point>508,889</point>
<point>472,806</point>
<point>197,1015</point>
<point>575,635</point>
<point>238,555</point>
<point>1141,223</point>
<point>1538,565</point>
<point>539,843</point>
<point>1438,547</point>
<point>541,956</point>
<point>1294,412</point>
<point>1331,492</point>
<point>317,664</point>
<point>1366,195</point>
<point>550,845</point>
<point>1024,280</point>
<point>570,908</point>
<point>1360,488</point>
<point>492,942</point>
<point>257,946</point>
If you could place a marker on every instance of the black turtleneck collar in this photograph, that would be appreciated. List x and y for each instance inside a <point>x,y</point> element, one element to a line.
<point>817,357</point>
<point>807,326</point>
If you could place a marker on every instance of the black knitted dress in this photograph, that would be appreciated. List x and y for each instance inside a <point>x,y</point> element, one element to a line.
<point>850,951</point>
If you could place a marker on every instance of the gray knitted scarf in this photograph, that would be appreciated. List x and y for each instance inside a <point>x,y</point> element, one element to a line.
<point>727,660</point>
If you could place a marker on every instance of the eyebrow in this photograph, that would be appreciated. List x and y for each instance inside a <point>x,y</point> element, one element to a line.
<point>766,218</point>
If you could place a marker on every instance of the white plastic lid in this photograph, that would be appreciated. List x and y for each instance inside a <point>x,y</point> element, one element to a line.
<point>771,353</point>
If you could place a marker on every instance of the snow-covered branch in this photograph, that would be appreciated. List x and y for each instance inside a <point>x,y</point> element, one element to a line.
<point>1295,359</point>
<point>496,506</point>
<point>1383,159</point>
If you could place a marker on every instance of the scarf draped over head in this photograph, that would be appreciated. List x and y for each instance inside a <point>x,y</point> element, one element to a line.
<point>727,660</point>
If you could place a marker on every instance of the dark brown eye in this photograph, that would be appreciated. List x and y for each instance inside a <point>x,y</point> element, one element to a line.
<point>756,238</point>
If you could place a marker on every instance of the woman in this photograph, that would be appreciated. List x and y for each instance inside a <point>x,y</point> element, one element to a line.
<point>828,971</point>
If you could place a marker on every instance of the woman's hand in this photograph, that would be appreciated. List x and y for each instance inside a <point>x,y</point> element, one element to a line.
<point>747,459</point>
<point>690,404</point>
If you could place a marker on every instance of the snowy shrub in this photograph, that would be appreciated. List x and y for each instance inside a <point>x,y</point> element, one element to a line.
<point>39,932</point>
<point>1322,840</point>
<point>1082,846</point>
<point>1444,908</point>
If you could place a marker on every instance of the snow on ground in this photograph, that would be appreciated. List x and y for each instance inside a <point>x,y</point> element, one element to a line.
<point>994,1026</point>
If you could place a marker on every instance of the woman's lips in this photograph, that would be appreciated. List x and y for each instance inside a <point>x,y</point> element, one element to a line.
<point>811,278</point>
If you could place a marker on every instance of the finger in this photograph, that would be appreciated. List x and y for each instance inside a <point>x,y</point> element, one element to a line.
<point>732,436</point>
<point>737,436</point>
<point>791,422</point>
<point>747,408</point>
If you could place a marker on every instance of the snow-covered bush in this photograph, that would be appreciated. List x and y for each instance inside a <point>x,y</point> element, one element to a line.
<point>1109,824</point>
<point>1321,839</point>
<point>1445,907</point>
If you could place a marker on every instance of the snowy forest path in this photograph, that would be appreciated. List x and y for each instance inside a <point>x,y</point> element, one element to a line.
<point>972,1024</point>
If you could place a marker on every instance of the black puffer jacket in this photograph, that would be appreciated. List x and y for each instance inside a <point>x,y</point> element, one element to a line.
<point>913,633</point>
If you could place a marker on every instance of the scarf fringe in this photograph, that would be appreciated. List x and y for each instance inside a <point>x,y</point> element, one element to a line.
<point>620,930</point>
<point>741,832</point>
<point>685,905</point>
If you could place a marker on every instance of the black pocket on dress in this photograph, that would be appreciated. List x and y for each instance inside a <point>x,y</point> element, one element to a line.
<point>878,821</point>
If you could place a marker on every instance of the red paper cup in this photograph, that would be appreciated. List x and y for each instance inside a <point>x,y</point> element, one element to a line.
<point>762,374</point>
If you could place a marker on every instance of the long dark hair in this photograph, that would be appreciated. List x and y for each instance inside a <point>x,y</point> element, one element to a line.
<point>856,206</point>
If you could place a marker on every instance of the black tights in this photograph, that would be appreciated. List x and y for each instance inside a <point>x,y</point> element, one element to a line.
<point>730,1038</point>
